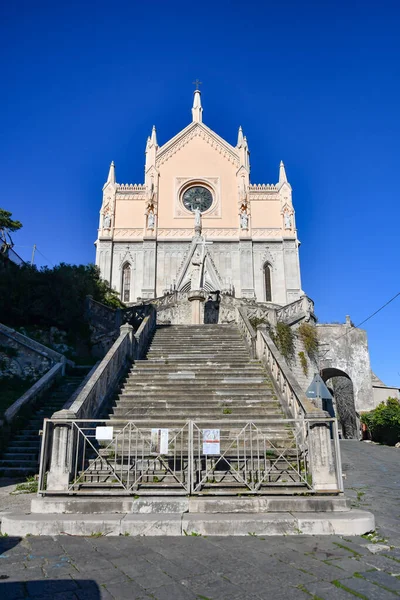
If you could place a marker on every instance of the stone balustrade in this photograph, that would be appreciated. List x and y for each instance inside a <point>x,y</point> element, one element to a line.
<point>93,396</point>
<point>314,423</point>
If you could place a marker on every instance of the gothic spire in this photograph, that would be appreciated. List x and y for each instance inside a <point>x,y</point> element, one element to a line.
<point>153,139</point>
<point>197,110</point>
<point>111,173</point>
<point>240,140</point>
<point>282,174</point>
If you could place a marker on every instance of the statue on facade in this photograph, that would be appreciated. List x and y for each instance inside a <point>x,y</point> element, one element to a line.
<point>244,218</point>
<point>195,271</point>
<point>197,220</point>
<point>151,219</point>
<point>288,220</point>
<point>107,221</point>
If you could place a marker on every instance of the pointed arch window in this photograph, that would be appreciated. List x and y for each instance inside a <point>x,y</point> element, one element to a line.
<point>267,282</point>
<point>126,283</point>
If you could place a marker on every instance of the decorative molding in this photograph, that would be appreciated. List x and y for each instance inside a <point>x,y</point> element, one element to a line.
<point>139,187</point>
<point>175,233</point>
<point>127,257</point>
<point>123,197</point>
<point>127,233</point>
<point>271,232</point>
<point>256,187</point>
<point>198,131</point>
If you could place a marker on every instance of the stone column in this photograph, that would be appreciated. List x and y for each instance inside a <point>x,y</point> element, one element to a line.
<point>58,477</point>
<point>132,340</point>
<point>196,297</point>
<point>322,457</point>
<point>246,268</point>
<point>149,268</point>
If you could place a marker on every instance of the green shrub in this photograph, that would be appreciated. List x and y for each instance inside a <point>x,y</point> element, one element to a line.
<point>308,335</point>
<point>303,362</point>
<point>284,339</point>
<point>256,321</point>
<point>384,422</point>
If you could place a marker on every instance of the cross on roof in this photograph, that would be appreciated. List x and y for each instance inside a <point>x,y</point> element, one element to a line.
<point>197,83</point>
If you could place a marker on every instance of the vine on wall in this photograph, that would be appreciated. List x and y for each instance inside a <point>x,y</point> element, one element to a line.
<point>284,339</point>
<point>303,362</point>
<point>308,335</point>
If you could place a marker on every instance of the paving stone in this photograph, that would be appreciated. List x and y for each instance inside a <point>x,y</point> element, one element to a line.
<point>215,589</point>
<point>327,591</point>
<point>173,591</point>
<point>153,579</point>
<point>366,588</point>
<point>383,563</point>
<point>124,591</point>
<point>49,587</point>
<point>350,565</point>
<point>89,590</point>
<point>383,579</point>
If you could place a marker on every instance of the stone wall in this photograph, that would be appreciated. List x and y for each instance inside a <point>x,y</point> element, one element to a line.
<point>344,350</point>
<point>32,358</point>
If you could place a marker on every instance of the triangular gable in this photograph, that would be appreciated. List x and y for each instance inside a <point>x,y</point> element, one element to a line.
<point>192,130</point>
<point>210,273</point>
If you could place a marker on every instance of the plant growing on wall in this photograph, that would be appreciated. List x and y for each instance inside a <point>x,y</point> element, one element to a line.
<point>308,335</point>
<point>303,362</point>
<point>284,339</point>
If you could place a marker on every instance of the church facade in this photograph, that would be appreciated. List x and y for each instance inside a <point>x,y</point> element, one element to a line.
<point>197,222</point>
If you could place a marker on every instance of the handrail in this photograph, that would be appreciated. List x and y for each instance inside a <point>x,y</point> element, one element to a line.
<point>101,385</point>
<point>35,391</point>
<point>296,401</point>
<point>33,345</point>
<point>246,330</point>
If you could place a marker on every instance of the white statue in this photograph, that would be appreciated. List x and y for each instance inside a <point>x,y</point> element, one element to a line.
<point>244,219</point>
<point>151,220</point>
<point>195,271</point>
<point>288,221</point>
<point>197,217</point>
<point>106,221</point>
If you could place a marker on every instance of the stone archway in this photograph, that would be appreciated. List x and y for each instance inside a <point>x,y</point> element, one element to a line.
<point>340,385</point>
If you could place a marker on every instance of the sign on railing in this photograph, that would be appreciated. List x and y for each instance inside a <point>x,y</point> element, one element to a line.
<point>129,457</point>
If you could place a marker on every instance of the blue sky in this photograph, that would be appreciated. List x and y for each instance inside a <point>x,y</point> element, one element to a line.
<point>314,84</point>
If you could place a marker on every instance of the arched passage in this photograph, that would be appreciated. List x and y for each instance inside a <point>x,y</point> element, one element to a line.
<point>341,386</point>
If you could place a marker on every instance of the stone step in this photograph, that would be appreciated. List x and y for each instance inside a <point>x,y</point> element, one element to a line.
<point>354,522</point>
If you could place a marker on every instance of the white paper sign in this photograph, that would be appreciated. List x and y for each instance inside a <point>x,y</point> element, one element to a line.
<point>159,441</point>
<point>104,434</point>
<point>211,441</point>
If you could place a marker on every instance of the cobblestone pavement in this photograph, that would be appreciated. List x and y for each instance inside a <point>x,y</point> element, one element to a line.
<point>225,568</point>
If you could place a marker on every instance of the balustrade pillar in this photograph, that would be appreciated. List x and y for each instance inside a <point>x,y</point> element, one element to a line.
<point>322,457</point>
<point>59,474</point>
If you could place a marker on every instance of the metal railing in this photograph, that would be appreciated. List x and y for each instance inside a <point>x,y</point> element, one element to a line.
<point>198,457</point>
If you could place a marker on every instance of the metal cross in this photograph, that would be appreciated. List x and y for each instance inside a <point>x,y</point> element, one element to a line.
<point>197,83</point>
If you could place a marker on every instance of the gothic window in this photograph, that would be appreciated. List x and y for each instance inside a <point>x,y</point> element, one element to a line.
<point>267,282</point>
<point>126,283</point>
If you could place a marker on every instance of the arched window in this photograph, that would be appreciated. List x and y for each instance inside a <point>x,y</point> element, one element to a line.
<point>267,283</point>
<point>126,283</point>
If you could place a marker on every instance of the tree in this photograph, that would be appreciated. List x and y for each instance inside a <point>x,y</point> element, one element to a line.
<point>7,225</point>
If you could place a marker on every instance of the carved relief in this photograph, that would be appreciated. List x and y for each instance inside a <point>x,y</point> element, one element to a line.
<point>128,233</point>
<point>271,232</point>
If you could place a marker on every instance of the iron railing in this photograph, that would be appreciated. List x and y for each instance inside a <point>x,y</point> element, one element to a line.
<point>197,457</point>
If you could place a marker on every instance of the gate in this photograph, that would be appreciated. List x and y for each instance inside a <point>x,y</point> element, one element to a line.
<point>199,457</point>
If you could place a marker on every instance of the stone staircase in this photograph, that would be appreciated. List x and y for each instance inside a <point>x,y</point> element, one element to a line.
<point>203,374</point>
<point>21,456</point>
<point>196,372</point>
